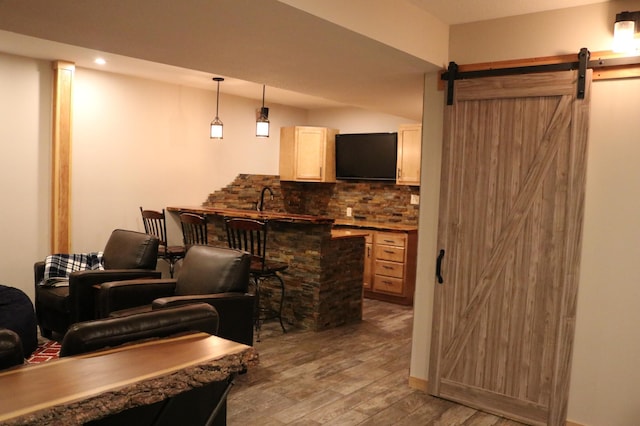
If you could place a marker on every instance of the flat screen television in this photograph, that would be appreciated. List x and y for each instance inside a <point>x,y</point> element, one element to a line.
<point>366,156</point>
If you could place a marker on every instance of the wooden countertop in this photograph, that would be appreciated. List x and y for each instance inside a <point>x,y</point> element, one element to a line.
<point>352,223</point>
<point>338,233</point>
<point>77,389</point>
<point>254,214</point>
<point>295,218</point>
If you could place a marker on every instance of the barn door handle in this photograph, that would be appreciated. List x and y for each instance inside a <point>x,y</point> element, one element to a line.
<point>439,266</point>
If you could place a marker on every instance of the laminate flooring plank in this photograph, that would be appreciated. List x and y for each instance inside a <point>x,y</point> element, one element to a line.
<point>355,374</point>
<point>299,410</point>
<point>456,415</point>
<point>341,407</point>
<point>389,416</point>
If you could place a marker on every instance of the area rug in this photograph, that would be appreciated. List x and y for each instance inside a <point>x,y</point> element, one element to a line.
<point>45,352</point>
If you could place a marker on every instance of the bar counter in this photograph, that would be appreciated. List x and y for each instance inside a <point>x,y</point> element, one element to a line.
<point>323,284</point>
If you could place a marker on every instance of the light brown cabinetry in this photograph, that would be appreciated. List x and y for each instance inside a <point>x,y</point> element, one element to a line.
<point>389,263</point>
<point>390,266</point>
<point>394,266</point>
<point>409,154</point>
<point>307,154</point>
<point>367,280</point>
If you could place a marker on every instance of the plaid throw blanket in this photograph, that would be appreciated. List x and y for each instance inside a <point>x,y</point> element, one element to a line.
<point>57,267</point>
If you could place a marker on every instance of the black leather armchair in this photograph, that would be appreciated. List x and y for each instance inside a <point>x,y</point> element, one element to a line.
<point>213,275</point>
<point>127,255</point>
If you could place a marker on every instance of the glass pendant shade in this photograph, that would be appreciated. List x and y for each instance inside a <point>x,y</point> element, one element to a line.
<point>262,123</point>
<point>216,128</point>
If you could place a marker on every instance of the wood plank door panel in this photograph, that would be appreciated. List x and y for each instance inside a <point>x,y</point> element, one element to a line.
<point>510,221</point>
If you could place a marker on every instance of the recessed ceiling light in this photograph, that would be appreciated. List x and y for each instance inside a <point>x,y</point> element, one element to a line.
<point>100,61</point>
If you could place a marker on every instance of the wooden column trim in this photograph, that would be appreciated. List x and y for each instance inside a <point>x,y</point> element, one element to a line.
<point>61,157</point>
<point>608,73</point>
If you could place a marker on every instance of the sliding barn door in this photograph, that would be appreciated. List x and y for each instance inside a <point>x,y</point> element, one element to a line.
<point>511,209</point>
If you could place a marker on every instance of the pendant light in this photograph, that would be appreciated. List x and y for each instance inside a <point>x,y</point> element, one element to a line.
<point>216,124</point>
<point>262,123</point>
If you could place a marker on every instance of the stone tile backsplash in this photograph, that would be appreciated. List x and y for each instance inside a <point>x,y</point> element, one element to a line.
<point>380,202</point>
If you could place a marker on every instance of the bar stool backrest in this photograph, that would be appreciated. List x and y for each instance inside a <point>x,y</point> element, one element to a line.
<point>155,224</point>
<point>249,235</point>
<point>194,229</point>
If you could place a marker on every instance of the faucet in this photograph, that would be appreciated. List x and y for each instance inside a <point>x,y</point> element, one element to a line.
<point>260,205</point>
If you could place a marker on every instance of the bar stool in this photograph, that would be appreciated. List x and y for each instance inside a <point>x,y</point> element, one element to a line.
<point>250,235</point>
<point>155,224</point>
<point>194,229</point>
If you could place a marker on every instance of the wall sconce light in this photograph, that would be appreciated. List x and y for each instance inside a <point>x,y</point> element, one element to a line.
<point>262,122</point>
<point>216,124</point>
<point>624,31</point>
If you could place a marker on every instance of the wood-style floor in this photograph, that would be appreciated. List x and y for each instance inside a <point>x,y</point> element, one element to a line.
<point>351,375</point>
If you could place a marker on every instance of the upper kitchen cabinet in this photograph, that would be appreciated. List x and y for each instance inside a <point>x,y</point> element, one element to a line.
<point>307,154</point>
<point>409,150</point>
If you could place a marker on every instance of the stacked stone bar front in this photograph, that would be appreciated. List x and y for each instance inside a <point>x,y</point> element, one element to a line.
<point>323,283</point>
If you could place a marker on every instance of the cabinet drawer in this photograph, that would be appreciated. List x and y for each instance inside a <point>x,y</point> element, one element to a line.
<point>387,284</point>
<point>391,253</point>
<point>389,269</point>
<point>391,239</point>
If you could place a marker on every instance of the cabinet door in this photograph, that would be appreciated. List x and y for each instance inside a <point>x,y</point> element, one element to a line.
<point>310,153</point>
<point>389,253</point>
<point>390,285</point>
<point>368,262</point>
<point>389,269</point>
<point>409,151</point>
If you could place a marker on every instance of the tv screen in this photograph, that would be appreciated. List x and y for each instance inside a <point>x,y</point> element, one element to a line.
<point>366,156</point>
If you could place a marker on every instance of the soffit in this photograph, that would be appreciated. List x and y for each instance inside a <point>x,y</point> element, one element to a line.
<point>262,41</point>
<point>463,11</point>
<point>305,60</point>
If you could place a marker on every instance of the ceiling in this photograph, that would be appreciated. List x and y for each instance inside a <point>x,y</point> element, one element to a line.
<point>462,11</point>
<point>304,60</point>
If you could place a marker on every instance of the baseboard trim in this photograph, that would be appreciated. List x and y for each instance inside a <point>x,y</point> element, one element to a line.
<point>421,384</point>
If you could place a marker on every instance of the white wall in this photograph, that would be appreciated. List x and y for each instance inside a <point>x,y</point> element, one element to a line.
<point>356,120</point>
<point>25,134</point>
<point>135,143</point>
<point>605,379</point>
<point>144,143</point>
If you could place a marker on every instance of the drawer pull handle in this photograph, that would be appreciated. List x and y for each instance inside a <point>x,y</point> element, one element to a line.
<point>388,241</point>
<point>439,266</point>
<point>387,267</point>
<point>389,251</point>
